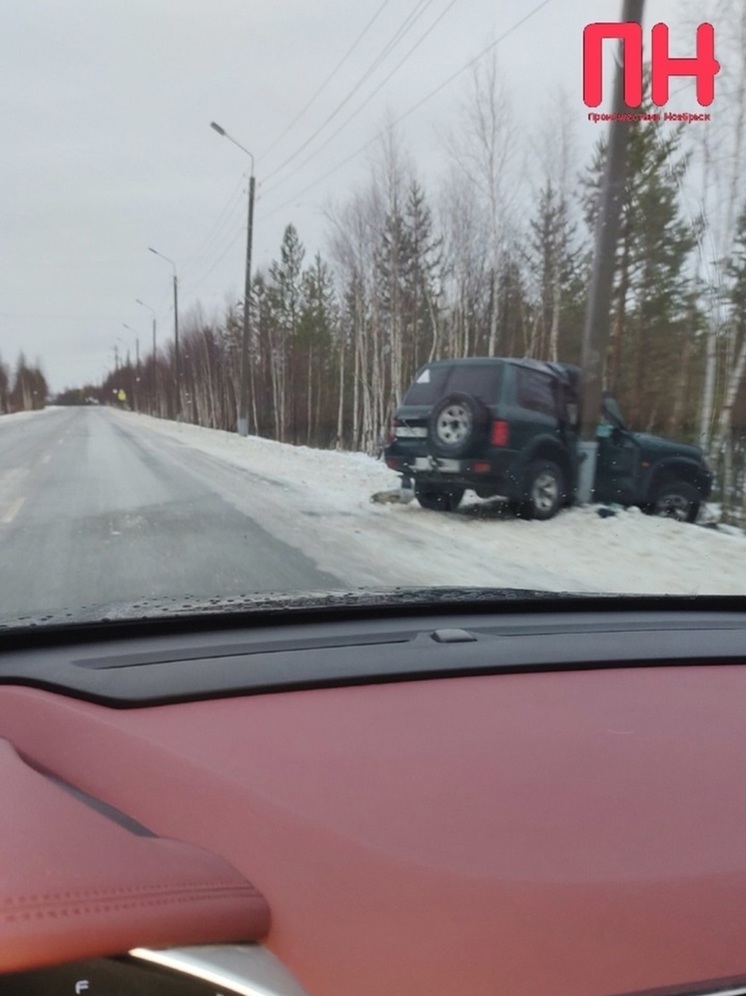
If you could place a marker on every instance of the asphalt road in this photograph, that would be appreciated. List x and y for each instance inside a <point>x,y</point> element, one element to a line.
<point>93,512</point>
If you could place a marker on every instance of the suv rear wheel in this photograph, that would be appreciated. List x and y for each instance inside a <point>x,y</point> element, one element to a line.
<point>544,491</point>
<point>438,499</point>
<point>677,500</point>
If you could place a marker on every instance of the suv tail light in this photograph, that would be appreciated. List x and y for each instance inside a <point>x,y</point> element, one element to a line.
<point>392,433</point>
<point>500,435</point>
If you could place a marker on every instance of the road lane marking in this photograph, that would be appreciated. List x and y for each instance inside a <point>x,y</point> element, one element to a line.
<point>13,511</point>
<point>10,481</point>
<point>47,458</point>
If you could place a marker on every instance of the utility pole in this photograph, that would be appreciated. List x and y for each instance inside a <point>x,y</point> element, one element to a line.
<point>242,420</point>
<point>155,361</point>
<point>598,314</point>
<point>243,410</point>
<point>155,372</point>
<point>136,390</point>
<point>177,366</point>
<point>137,374</point>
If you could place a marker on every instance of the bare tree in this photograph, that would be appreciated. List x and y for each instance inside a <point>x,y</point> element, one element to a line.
<point>555,158</point>
<point>485,151</point>
<point>719,157</point>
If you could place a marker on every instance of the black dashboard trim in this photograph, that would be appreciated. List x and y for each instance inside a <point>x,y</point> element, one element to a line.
<point>155,662</point>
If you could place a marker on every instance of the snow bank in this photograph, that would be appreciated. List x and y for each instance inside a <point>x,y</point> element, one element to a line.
<point>16,417</point>
<point>320,501</point>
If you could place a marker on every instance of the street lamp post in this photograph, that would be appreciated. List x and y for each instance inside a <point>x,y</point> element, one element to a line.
<point>243,400</point>
<point>155,363</point>
<point>137,364</point>
<point>137,342</point>
<point>177,371</point>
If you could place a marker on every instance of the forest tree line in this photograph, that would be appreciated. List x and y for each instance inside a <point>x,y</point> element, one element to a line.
<point>494,261</point>
<point>24,388</point>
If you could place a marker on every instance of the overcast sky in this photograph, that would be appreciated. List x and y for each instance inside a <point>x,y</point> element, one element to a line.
<point>106,147</point>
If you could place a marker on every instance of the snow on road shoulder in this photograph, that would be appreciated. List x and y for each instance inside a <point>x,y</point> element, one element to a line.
<point>15,417</point>
<point>333,478</point>
<point>329,493</point>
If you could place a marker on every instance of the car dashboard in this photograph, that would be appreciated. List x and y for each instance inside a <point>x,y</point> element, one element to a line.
<point>497,797</point>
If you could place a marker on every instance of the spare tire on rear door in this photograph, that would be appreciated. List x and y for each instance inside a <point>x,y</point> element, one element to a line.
<point>457,425</point>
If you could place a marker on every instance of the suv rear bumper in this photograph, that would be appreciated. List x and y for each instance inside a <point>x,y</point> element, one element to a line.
<point>495,474</point>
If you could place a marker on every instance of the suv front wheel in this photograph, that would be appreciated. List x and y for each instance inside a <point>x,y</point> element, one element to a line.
<point>544,490</point>
<point>677,500</point>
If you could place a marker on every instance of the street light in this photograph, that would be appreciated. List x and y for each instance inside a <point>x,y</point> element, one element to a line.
<point>176,330</point>
<point>243,400</point>
<point>137,363</point>
<point>155,364</point>
<point>137,343</point>
<point>152,312</point>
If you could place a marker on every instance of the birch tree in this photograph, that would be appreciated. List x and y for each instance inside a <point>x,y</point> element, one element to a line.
<point>735,270</point>
<point>465,267</point>
<point>485,150</point>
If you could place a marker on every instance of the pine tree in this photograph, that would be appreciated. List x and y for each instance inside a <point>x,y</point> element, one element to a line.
<point>4,388</point>
<point>406,266</point>
<point>555,261</point>
<point>316,332</point>
<point>286,296</point>
<point>422,264</point>
<point>512,308</point>
<point>390,265</point>
<point>30,389</point>
<point>651,301</point>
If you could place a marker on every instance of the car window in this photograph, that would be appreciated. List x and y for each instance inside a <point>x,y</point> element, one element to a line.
<point>537,391</point>
<point>481,381</point>
<point>434,383</point>
<point>428,387</point>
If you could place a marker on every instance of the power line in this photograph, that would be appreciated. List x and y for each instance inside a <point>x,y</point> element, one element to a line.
<point>414,15</point>
<point>328,79</point>
<point>402,117</point>
<point>343,103</point>
<point>413,108</point>
<point>403,28</point>
<point>191,285</point>
<point>226,215</point>
<point>367,100</point>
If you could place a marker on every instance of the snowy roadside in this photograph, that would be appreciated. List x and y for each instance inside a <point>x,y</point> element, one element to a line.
<point>16,417</point>
<point>320,501</point>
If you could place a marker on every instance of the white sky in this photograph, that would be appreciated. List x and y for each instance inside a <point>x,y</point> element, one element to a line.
<point>106,150</point>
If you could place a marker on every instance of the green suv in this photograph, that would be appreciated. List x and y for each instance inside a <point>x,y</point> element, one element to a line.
<point>510,428</point>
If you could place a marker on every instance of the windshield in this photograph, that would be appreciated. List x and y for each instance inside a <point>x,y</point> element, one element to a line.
<point>431,384</point>
<point>236,239</point>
